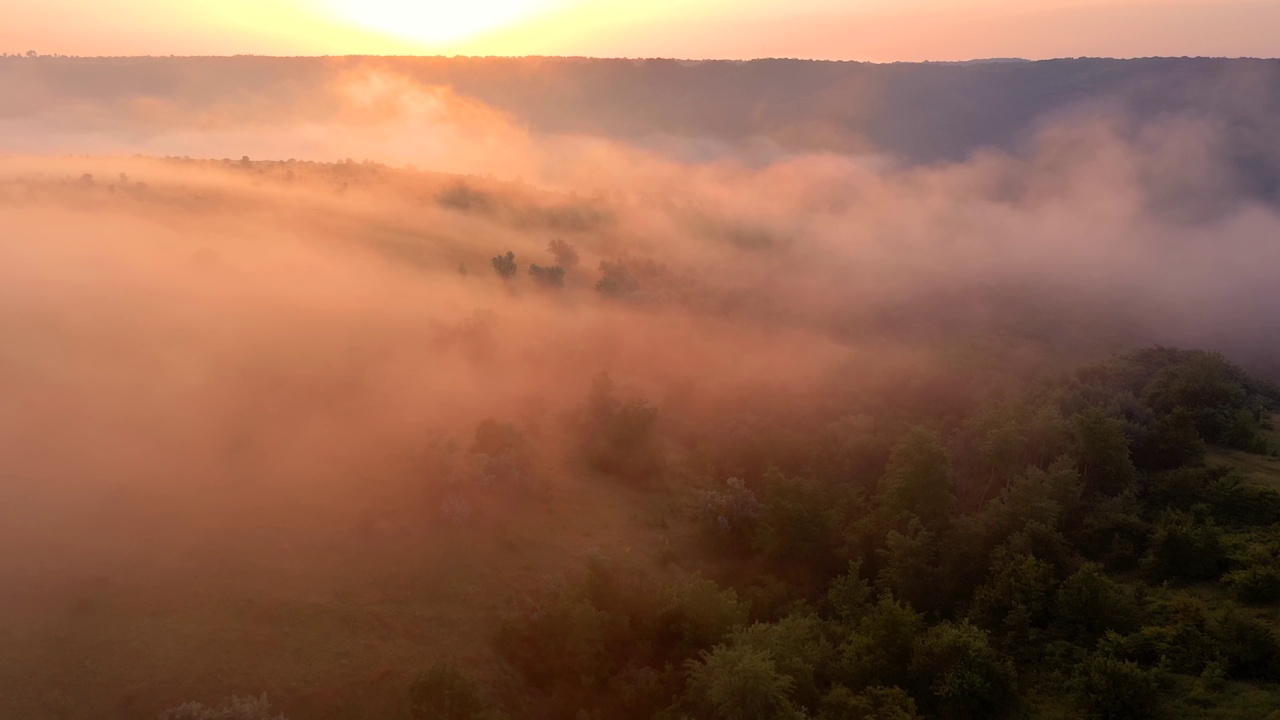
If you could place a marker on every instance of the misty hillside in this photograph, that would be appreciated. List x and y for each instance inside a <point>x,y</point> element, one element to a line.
<point>475,389</point>
<point>916,112</point>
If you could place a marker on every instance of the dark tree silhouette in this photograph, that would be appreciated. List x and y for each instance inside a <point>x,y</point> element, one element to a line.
<point>505,265</point>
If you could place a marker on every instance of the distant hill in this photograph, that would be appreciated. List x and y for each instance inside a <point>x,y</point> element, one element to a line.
<point>918,112</point>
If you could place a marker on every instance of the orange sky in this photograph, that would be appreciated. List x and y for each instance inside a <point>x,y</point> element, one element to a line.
<point>877,30</point>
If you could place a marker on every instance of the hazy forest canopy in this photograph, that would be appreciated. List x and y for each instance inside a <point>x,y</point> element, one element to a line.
<point>639,389</point>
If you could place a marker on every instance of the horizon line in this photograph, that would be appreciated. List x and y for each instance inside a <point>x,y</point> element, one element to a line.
<point>970,61</point>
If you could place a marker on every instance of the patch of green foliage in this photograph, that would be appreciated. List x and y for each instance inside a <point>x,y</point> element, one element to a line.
<point>1065,553</point>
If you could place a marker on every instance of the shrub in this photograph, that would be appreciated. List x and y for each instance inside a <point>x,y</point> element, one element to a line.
<point>1183,548</point>
<point>1249,647</point>
<point>1256,585</point>
<point>1111,689</point>
<point>1239,503</point>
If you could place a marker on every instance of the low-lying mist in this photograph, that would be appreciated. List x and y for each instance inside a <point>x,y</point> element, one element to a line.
<point>222,353</point>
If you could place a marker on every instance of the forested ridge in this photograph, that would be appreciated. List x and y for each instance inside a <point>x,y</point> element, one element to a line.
<point>1079,550</point>
<point>918,112</point>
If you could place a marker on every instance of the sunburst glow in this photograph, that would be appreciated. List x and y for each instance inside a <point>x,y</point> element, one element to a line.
<point>439,22</point>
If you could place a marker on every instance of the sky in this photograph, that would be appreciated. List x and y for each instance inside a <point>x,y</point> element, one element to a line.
<point>872,30</point>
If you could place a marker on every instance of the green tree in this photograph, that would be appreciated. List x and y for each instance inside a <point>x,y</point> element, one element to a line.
<point>800,650</point>
<point>873,703</point>
<point>879,648</point>
<point>910,567</point>
<point>566,255</point>
<point>798,528</point>
<point>1102,450</point>
<point>505,265</point>
<point>1089,604</point>
<point>965,676</point>
<point>1171,442</point>
<point>740,683</point>
<point>616,280</point>
<point>848,597</point>
<point>551,277</point>
<point>917,482</point>
<point>1016,601</point>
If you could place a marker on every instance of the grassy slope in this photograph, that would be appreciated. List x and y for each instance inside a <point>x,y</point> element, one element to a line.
<point>329,620</point>
<point>331,626</point>
<point>1257,468</point>
<point>1237,700</point>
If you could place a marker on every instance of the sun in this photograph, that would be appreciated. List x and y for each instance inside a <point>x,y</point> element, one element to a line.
<point>439,23</point>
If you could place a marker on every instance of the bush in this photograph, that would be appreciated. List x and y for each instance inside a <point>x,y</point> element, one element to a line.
<point>1111,689</point>
<point>444,693</point>
<point>1249,647</point>
<point>1257,585</point>
<point>1183,548</point>
<point>1239,503</point>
